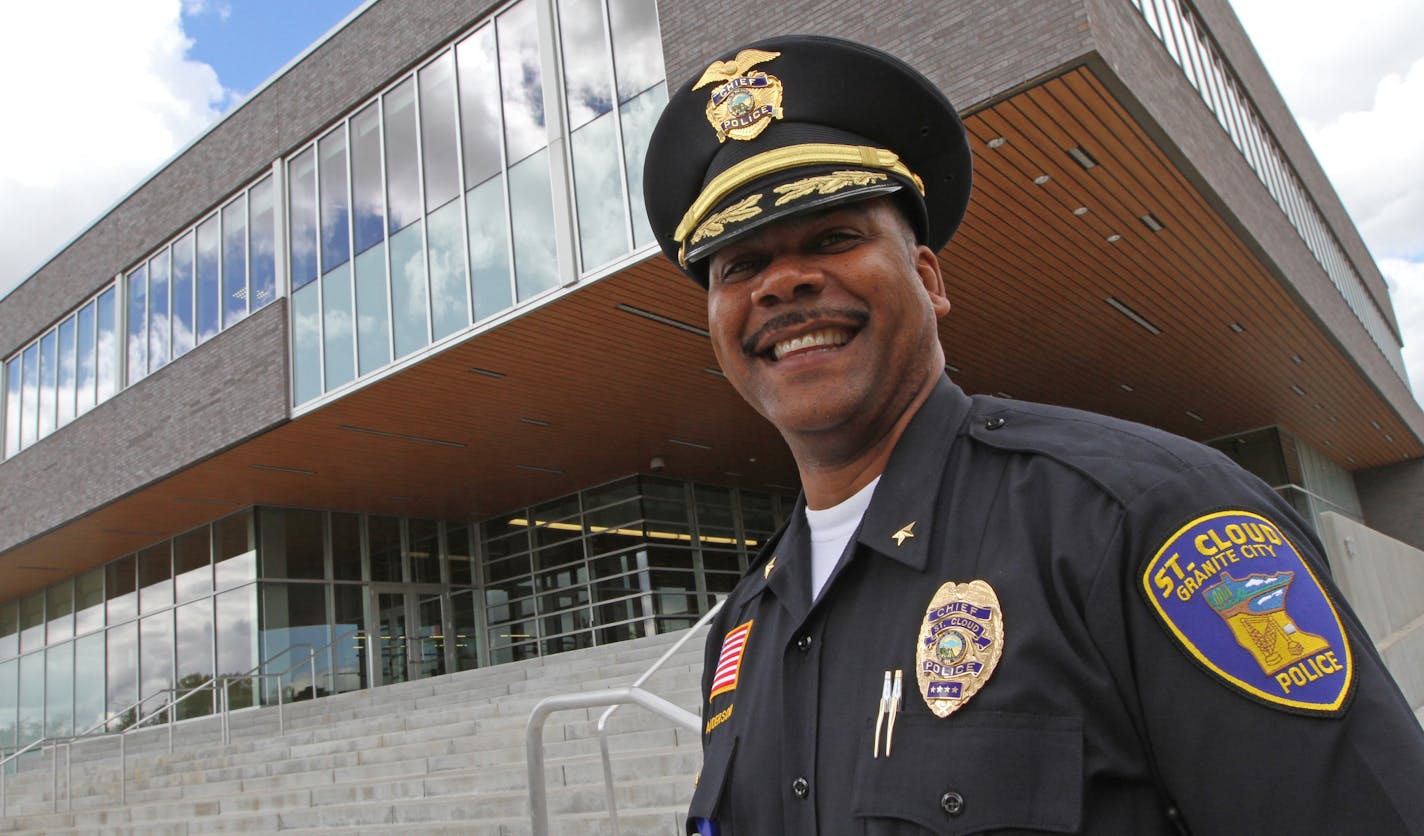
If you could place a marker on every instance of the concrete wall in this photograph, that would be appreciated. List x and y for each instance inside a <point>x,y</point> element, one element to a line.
<point>1392,497</point>
<point>1381,577</point>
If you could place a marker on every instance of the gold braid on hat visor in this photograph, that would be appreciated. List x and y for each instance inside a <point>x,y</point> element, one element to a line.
<point>781,159</point>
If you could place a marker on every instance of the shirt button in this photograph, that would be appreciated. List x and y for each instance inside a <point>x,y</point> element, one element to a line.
<point>993,423</point>
<point>800,788</point>
<point>803,643</point>
<point>952,803</point>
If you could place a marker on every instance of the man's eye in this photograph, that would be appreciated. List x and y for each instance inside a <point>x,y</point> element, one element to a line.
<point>833,238</point>
<point>737,269</point>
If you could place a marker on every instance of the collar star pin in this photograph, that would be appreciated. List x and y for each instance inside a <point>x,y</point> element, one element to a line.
<point>770,564</point>
<point>904,533</point>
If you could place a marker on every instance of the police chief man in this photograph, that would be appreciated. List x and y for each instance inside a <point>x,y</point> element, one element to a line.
<point>983,615</point>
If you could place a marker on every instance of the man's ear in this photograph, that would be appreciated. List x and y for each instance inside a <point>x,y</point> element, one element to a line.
<point>932,277</point>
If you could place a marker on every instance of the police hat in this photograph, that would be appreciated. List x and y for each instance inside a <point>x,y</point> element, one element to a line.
<point>795,123</point>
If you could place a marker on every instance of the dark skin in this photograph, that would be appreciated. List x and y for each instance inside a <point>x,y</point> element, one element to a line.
<point>826,323</point>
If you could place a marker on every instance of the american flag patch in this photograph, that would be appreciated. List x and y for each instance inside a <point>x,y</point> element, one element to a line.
<point>729,661</point>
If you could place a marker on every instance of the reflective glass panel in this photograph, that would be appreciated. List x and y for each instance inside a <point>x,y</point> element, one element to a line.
<point>521,81</point>
<point>32,622</point>
<point>306,347</point>
<point>155,662</point>
<point>335,239</point>
<point>209,292</point>
<point>340,342</point>
<point>598,186</point>
<point>155,577</point>
<point>429,648</point>
<point>30,394</point>
<point>193,564</point>
<point>301,219</point>
<point>49,381</point>
<point>639,116</point>
<point>66,371</point>
<point>234,261</point>
<point>59,690</point>
<point>383,534</point>
<point>373,327</point>
<point>184,337</point>
<point>262,269</point>
<point>137,324</point>
<point>389,642</point>
<point>59,612</point>
<point>368,204</point>
<point>88,601</point>
<point>464,620</point>
<point>479,106</point>
<point>121,589</point>
<point>292,543</point>
<point>637,46</point>
<point>88,682</point>
<point>84,361</point>
<point>424,551</point>
<point>346,546</point>
<point>237,640</point>
<point>195,657</point>
<point>532,204</point>
<point>489,248</point>
<point>461,556</point>
<point>9,629</point>
<point>158,311</point>
<point>12,406</point>
<point>294,616</point>
<point>349,653</point>
<point>437,132</point>
<point>9,701</point>
<point>108,351</point>
<point>402,165</point>
<point>588,77</point>
<point>32,707</point>
<point>408,297</point>
<point>234,558</point>
<point>121,656</point>
<point>450,303</point>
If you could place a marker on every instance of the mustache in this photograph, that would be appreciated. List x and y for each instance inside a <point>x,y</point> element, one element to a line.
<point>793,318</point>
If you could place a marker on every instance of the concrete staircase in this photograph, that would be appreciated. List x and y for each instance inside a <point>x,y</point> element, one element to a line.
<point>441,755</point>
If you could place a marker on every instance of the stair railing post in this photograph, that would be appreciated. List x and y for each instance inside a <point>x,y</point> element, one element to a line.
<point>54,779</point>
<point>123,767</point>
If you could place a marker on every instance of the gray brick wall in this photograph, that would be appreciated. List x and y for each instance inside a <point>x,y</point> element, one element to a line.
<point>229,389</point>
<point>1393,499</point>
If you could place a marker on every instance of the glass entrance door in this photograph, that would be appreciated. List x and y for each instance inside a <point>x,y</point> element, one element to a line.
<point>409,635</point>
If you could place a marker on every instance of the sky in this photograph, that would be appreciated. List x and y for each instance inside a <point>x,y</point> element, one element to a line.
<point>101,93</point>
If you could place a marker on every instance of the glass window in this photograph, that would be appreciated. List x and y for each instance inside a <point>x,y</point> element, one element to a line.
<point>402,165</point>
<point>158,311</point>
<point>490,278</point>
<point>339,350</point>
<point>209,292</point>
<point>234,261</point>
<point>462,557</point>
<point>195,657</point>
<point>292,543</point>
<point>262,269</point>
<point>88,601</point>
<point>121,589</point>
<point>348,654</point>
<point>346,546</point>
<point>237,640</point>
<point>368,203</point>
<point>464,620</point>
<point>184,337</point>
<point>32,707</point>
<point>639,116</point>
<point>30,395</point>
<point>306,350</point>
<point>13,389</point>
<point>121,656</point>
<point>335,239</point>
<point>155,577</point>
<point>49,380</point>
<point>587,74</point>
<point>155,662</point>
<point>598,187</point>
<point>521,81</point>
<point>138,325</point>
<point>88,682</point>
<point>531,203</point>
<point>384,537</point>
<point>424,551</point>
<point>480,120</point>
<point>193,564</point>
<point>234,558</point>
<point>32,622</point>
<point>9,701</point>
<point>437,132</point>
<point>59,612</point>
<point>408,296</point>
<point>301,223</point>
<point>59,690</point>
<point>66,371</point>
<point>84,361</point>
<point>294,616</point>
<point>637,46</point>
<point>450,291</point>
<point>9,629</point>
<point>108,350</point>
<point>373,328</point>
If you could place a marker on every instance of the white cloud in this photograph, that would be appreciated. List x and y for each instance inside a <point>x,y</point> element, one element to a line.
<point>100,94</point>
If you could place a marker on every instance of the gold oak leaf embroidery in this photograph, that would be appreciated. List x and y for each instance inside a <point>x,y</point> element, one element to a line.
<point>726,70</point>
<point>716,224</point>
<point>826,184</point>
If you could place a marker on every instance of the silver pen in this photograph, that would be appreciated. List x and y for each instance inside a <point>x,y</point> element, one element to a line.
<point>880,716</point>
<point>894,707</point>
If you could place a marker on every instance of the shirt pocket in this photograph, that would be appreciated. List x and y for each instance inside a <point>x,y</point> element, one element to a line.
<point>973,773</point>
<point>717,757</point>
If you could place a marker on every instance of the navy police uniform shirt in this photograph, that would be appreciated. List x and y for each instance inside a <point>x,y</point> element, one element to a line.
<point>1162,652</point>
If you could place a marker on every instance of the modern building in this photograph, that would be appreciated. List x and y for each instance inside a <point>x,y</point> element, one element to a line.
<point>386,365</point>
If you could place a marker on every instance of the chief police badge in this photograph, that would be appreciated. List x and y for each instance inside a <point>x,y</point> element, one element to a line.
<point>1243,603</point>
<point>745,102</point>
<point>960,642</point>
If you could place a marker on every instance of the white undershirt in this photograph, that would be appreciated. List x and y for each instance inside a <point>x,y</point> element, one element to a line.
<point>831,529</point>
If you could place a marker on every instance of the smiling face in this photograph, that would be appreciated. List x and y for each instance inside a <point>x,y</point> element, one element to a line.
<point>826,324</point>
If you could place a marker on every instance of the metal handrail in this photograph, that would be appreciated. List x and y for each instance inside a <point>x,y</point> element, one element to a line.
<point>613,698</point>
<point>253,675</point>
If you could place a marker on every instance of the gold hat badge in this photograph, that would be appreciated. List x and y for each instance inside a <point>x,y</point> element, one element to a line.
<point>744,103</point>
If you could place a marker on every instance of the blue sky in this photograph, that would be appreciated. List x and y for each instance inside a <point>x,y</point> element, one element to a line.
<point>102,93</point>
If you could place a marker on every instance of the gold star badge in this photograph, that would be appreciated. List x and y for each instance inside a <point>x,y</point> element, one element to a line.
<point>770,564</point>
<point>904,534</point>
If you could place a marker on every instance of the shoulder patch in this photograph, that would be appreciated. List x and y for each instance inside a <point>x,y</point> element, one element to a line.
<point>1243,604</point>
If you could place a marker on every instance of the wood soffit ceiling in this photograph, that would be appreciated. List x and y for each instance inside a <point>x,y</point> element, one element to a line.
<point>591,393</point>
